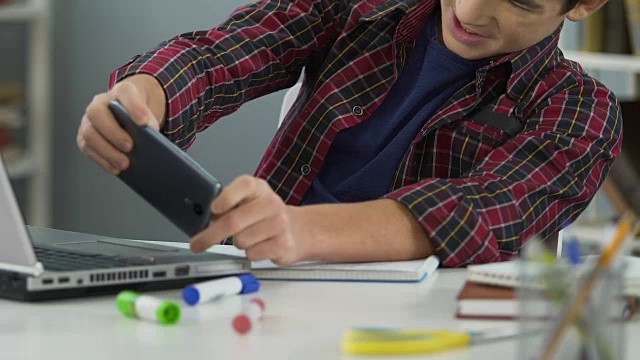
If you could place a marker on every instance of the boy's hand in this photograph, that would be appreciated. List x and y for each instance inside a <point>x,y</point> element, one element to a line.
<point>259,221</point>
<point>101,138</point>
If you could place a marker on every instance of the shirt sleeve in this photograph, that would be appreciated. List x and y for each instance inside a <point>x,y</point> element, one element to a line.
<point>533,185</point>
<point>259,49</point>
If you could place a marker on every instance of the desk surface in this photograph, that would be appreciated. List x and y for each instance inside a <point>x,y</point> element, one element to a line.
<point>304,320</point>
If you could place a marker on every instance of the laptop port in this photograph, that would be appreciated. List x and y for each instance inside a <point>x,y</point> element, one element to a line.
<point>47,281</point>
<point>182,270</point>
<point>63,280</point>
<point>159,274</point>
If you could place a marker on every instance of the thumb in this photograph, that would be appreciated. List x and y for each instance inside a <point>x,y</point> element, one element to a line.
<point>135,102</point>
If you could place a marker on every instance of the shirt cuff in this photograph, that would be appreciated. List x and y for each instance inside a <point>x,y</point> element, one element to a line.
<point>450,222</point>
<point>179,126</point>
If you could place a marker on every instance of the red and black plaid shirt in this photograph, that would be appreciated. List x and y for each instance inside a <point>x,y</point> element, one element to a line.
<point>479,188</point>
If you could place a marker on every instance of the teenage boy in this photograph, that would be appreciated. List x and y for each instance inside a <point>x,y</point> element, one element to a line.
<point>447,127</point>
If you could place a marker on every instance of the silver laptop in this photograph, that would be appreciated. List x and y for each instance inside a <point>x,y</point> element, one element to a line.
<point>42,263</point>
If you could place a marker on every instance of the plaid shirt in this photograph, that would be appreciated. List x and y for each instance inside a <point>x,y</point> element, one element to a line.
<point>518,152</point>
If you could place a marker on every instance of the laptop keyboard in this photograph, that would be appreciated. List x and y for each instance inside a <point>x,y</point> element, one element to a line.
<point>60,260</point>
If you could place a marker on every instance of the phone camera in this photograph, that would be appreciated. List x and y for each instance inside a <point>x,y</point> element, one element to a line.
<point>197,208</point>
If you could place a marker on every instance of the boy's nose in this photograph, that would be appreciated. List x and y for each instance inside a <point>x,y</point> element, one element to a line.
<point>474,12</point>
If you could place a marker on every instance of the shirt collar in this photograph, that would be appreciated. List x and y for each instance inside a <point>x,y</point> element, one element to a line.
<point>416,12</point>
<point>527,66</point>
<point>386,7</point>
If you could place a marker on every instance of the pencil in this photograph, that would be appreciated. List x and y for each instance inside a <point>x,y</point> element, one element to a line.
<point>622,230</point>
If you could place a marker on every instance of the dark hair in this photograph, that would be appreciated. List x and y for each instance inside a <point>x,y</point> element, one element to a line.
<point>571,4</point>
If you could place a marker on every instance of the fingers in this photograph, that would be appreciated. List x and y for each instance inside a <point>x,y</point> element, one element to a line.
<point>101,161</point>
<point>100,118</point>
<point>100,147</point>
<point>278,249</point>
<point>243,189</point>
<point>136,104</point>
<point>100,136</point>
<point>265,241</point>
<point>256,217</point>
<point>250,236</point>
<point>261,231</point>
<point>240,223</point>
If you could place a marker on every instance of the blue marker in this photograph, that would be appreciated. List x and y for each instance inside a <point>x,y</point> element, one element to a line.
<point>215,289</point>
<point>573,251</point>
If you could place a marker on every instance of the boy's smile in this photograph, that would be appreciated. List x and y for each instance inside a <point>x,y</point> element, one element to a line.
<point>467,35</point>
<point>479,29</point>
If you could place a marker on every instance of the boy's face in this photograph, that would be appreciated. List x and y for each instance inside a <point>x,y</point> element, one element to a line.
<point>478,29</point>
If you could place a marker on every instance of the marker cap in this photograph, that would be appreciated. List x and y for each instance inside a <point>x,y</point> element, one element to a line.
<point>260,303</point>
<point>249,283</point>
<point>168,313</point>
<point>242,324</point>
<point>573,251</point>
<point>191,295</point>
<point>126,302</point>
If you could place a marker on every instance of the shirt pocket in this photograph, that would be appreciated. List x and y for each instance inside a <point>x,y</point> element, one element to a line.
<point>484,136</point>
<point>490,127</point>
<point>473,138</point>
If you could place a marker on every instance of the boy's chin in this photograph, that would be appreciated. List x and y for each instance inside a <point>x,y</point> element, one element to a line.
<point>472,54</point>
<point>469,52</point>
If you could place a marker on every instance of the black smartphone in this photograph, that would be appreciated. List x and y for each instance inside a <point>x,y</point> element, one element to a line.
<point>167,178</point>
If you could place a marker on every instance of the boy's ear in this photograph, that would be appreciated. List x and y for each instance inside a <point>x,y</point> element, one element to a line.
<point>585,8</point>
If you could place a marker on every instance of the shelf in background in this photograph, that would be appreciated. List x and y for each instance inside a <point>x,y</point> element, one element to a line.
<point>597,234</point>
<point>21,168</point>
<point>11,117</point>
<point>605,62</point>
<point>23,11</point>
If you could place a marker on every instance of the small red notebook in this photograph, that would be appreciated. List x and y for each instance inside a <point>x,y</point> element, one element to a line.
<point>480,301</point>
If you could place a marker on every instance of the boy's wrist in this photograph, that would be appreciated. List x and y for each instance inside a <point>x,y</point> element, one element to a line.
<point>305,230</point>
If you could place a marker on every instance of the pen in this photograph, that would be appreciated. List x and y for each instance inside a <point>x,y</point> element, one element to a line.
<point>362,341</point>
<point>573,251</point>
<point>572,312</point>
<point>599,348</point>
<point>215,289</point>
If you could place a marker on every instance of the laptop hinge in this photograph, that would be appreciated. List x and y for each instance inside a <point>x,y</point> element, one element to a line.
<point>36,270</point>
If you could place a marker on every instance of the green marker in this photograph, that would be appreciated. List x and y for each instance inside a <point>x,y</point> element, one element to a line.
<point>135,305</point>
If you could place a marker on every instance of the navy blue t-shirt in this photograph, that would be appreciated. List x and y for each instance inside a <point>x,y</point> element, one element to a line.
<point>363,159</point>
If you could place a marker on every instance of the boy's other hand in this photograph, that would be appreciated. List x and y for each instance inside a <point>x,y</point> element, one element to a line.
<point>101,138</point>
<point>259,221</point>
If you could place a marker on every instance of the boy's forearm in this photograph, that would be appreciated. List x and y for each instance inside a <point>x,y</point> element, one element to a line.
<point>380,230</point>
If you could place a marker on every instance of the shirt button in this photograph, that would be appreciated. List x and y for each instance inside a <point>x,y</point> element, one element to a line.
<point>305,169</point>
<point>357,111</point>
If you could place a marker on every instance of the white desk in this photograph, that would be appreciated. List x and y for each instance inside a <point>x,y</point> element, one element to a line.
<point>304,320</point>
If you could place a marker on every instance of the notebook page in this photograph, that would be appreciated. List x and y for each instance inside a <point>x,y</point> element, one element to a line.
<point>400,266</point>
<point>506,273</point>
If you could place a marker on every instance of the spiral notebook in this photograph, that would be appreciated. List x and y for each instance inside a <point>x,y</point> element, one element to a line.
<point>396,271</point>
<point>507,274</point>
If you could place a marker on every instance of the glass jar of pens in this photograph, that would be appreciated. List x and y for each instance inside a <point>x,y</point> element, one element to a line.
<point>573,307</point>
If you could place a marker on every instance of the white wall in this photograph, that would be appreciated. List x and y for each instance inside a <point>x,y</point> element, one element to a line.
<point>91,39</point>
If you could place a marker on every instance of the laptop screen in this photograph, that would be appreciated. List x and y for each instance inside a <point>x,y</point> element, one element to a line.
<point>16,251</point>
